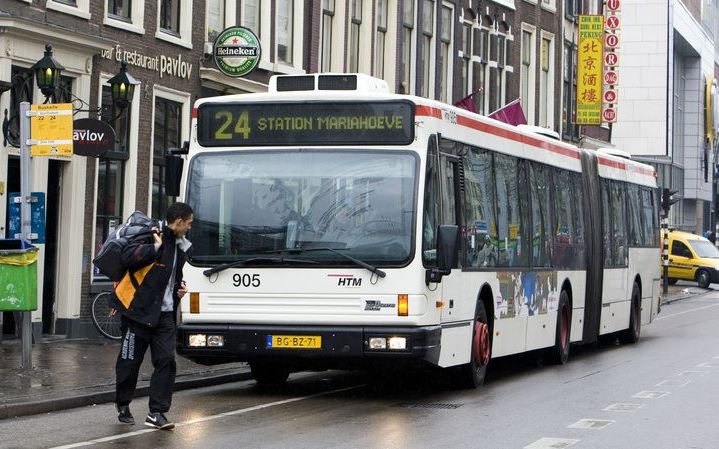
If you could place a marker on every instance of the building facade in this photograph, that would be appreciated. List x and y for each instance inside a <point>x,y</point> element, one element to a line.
<point>498,51</point>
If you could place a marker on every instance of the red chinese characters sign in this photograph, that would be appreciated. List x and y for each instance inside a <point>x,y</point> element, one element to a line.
<point>590,62</point>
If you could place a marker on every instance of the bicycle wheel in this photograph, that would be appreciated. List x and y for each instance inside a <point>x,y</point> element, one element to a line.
<point>104,318</point>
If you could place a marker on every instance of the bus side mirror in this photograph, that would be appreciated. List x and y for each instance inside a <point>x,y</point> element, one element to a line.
<point>447,237</point>
<point>173,174</point>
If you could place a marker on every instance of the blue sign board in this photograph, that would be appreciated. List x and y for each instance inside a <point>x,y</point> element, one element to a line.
<point>37,216</point>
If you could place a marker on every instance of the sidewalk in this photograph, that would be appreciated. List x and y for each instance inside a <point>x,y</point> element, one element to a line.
<point>79,372</point>
<point>71,373</point>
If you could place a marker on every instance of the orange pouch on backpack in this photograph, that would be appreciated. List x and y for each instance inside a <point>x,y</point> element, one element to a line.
<point>126,288</point>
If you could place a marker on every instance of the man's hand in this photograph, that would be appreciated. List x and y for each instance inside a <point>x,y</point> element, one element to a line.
<point>182,290</point>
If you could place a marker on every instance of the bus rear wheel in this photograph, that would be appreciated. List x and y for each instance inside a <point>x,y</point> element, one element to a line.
<point>474,374</point>
<point>559,353</point>
<point>269,374</point>
<point>631,335</point>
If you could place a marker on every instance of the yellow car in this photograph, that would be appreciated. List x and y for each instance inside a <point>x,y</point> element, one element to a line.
<point>692,258</point>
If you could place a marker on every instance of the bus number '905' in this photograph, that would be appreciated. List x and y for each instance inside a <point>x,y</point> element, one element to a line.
<point>246,280</point>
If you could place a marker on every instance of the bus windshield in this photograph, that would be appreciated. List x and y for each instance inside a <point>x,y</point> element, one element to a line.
<point>254,203</point>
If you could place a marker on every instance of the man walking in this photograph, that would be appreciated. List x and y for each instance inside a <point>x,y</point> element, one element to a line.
<point>149,319</point>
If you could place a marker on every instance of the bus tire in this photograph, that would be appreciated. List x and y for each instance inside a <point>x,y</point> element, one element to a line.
<point>559,353</point>
<point>474,374</point>
<point>703,278</point>
<point>269,373</point>
<point>631,335</point>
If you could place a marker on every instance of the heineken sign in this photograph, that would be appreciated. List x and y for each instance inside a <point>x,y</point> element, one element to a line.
<point>236,51</point>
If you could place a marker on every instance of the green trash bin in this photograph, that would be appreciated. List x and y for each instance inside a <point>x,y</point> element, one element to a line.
<point>18,276</point>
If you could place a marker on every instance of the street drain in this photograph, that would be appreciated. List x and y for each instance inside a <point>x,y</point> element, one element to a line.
<point>440,405</point>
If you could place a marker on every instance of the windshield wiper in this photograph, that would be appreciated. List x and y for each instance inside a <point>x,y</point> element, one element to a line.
<point>238,263</point>
<point>356,261</point>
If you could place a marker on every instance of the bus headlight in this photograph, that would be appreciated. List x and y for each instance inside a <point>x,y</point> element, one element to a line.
<point>216,341</point>
<point>378,343</point>
<point>198,340</point>
<point>398,343</point>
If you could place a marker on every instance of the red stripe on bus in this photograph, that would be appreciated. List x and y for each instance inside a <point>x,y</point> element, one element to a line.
<point>194,112</point>
<point>429,111</point>
<point>613,164</point>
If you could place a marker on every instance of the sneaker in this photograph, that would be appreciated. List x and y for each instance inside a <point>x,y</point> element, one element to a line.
<point>158,421</point>
<point>124,415</point>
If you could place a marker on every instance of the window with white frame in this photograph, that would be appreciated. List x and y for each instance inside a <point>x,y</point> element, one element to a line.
<point>285,31</point>
<point>128,15</point>
<point>549,5</point>
<point>466,54</point>
<point>216,13</point>
<point>445,48</point>
<point>355,25</point>
<point>78,8</point>
<point>427,43</point>
<point>380,41</point>
<point>546,81</point>
<point>407,45</point>
<point>174,22</point>
<point>250,16</point>
<point>527,76</point>
<point>480,57</point>
<point>570,131</point>
<point>328,13</point>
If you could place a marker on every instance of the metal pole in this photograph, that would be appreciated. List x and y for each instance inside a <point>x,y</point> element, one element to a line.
<point>25,221</point>
<point>665,257</point>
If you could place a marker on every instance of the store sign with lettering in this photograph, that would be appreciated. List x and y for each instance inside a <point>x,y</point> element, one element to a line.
<point>165,65</point>
<point>92,137</point>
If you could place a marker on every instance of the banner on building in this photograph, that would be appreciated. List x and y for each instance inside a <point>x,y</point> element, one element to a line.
<point>589,70</point>
<point>511,113</point>
<point>468,101</point>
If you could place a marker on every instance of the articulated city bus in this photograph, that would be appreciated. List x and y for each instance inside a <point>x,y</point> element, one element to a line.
<point>339,225</point>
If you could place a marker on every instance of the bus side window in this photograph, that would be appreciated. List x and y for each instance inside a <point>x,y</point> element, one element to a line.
<point>578,261</point>
<point>511,233</point>
<point>541,217</point>
<point>606,218</point>
<point>480,237</point>
<point>564,235</point>
<point>636,237</point>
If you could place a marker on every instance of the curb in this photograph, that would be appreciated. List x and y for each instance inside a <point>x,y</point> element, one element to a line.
<point>103,397</point>
<point>691,295</point>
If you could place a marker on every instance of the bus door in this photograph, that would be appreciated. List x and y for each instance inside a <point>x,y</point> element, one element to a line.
<point>593,238</point>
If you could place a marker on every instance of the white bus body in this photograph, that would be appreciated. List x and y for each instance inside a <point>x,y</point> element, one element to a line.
<point>322,310</point>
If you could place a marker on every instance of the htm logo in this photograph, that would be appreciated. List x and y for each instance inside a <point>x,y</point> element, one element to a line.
<point>347,280</point>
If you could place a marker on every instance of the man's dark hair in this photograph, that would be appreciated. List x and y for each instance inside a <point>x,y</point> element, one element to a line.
<point>178,210</point>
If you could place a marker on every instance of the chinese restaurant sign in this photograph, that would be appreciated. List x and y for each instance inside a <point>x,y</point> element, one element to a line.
<point>589,70</point>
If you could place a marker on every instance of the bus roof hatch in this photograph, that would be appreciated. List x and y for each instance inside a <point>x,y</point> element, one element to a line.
<point>327,81</point>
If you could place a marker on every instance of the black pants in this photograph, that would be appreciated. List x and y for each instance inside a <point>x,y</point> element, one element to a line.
<point>161,340</point>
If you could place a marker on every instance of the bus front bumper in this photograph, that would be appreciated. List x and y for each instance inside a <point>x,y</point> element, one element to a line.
<point>349,343</point>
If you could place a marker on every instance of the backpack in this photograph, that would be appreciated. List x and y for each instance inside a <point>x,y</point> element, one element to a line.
<point>108,260</point>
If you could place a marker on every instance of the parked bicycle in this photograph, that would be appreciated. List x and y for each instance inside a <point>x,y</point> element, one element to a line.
<point>104,317</point>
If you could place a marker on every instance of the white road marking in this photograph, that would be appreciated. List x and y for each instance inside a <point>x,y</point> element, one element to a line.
<point>686,311</point>
<point>623,407</point>
<point>591,424</point>
<point>552,443</point>
<point>650,394</point>
<point>673,383</point>
<point>693,372</point>
<point>205,418</point>
<point>709,364</point>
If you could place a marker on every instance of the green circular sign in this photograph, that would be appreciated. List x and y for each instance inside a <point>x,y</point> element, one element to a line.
<point>236,51</point>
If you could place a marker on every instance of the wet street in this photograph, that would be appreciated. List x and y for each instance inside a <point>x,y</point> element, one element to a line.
<point>660,393</point>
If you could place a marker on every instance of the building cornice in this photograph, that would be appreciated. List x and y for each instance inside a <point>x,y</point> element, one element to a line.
<point>28,29</point>
<point>213,79</point>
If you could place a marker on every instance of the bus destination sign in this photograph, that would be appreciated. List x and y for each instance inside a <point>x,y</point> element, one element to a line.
<point>315,123</point>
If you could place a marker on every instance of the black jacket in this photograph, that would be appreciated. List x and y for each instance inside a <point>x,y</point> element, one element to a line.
<point>147,302</point>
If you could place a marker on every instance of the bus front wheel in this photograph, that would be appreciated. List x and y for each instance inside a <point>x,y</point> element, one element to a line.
<point>473,375</point>
<point>269,373</point>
